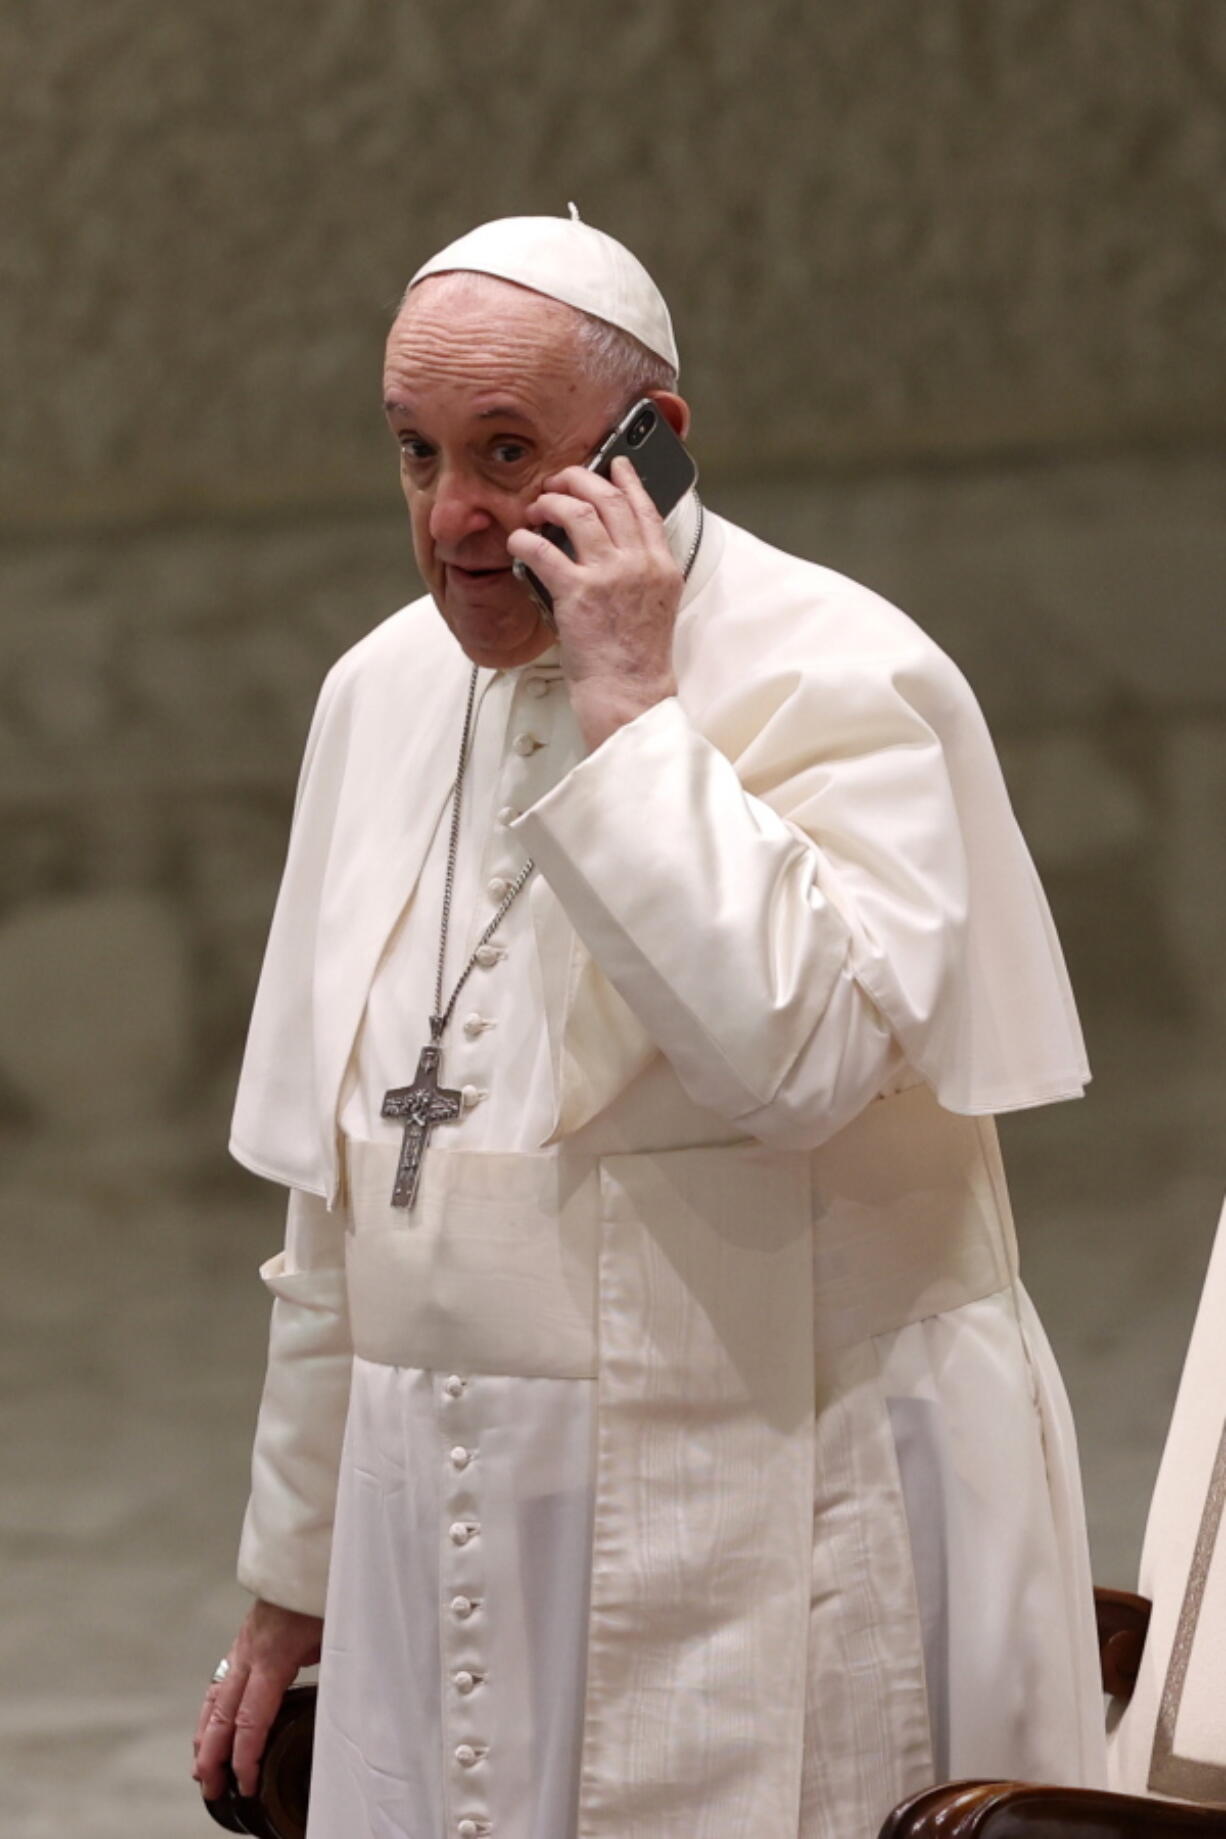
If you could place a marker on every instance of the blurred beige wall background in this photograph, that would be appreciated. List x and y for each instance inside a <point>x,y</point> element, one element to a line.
<point>949,278</point>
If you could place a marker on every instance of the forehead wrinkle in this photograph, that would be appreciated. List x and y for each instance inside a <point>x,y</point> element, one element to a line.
<point>478,349</point>
<point>484,333</point>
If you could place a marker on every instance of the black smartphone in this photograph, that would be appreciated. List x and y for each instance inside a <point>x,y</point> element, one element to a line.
<point>666,469</point>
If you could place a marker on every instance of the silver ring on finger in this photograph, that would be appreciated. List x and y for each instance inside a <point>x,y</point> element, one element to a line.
<point>221,1671</point>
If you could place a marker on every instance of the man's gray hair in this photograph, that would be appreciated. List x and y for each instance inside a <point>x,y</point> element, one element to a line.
<point>620,361</point>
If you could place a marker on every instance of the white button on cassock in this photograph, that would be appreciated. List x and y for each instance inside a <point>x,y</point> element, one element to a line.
<point>460,1458</point>
<point>468,1829</point>
<point>454,1387</point>
<point>465,1755</point>
<point>470,1096</point>
<point>487,955</point>
<point>459,1534</point>
<point>496,888</point>
<point>507,815</point>
<point>464,1682</point>
<point>538,687</point>
<point>462,1607</point>
<point>525,744</point>
<point>475,1024</point>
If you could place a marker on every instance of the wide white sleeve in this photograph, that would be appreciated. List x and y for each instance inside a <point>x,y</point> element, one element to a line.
<point>703,907</point>
<point>287,1532</point>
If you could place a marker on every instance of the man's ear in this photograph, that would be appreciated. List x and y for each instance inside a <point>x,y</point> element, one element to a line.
<point>675,410</point>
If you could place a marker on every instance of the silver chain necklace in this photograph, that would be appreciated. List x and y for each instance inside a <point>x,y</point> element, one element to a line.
<point>441,1016</point>
<point>425,1103</point>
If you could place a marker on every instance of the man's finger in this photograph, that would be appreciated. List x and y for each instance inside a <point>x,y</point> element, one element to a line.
<point>638,500</point>
<point>605,496</point>
<point>206,1712</point>
<point>580,481</point>
<point>583,521</point>
<point>253,1720</point>
<point>215,1732</point>
<point>543,557</point>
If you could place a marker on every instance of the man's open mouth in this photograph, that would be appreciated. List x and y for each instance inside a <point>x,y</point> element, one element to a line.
<point>478,574</point>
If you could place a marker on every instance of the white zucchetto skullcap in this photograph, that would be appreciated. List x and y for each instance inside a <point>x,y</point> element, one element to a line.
<point>568,261</point>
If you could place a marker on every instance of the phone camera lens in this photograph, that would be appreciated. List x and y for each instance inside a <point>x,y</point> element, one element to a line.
<point>640,428</point>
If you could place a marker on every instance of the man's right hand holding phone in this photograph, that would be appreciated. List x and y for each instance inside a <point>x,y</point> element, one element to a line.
<point>615,603</point>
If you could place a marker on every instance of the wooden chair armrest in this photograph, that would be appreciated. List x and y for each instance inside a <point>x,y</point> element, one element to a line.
<point>1025,1810</point>
<point>1123,1623</point>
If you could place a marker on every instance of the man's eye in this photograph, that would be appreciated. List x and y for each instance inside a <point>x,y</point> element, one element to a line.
<point>509,453</point>
<point>413,449</point>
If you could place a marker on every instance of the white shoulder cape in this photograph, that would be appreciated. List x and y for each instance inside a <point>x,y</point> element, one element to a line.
<point>836,712</point>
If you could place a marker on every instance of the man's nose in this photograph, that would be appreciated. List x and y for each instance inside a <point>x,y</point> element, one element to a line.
<point>457,511</point>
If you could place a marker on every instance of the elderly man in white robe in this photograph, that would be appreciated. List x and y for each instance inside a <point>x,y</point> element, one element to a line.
<point>686,1459</point>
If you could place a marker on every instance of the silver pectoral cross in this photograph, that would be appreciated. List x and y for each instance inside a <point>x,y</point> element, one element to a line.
<point>422,1105</point>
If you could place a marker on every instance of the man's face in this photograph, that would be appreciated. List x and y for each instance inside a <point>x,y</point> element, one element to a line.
<point>484,390</point>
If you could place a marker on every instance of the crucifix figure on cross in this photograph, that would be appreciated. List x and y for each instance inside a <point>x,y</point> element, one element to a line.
<point>422,1105</point>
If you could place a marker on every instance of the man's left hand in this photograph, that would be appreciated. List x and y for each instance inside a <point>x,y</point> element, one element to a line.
<point>616,603</point>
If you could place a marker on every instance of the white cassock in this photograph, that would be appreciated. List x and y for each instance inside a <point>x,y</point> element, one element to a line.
<point>706,1469</point>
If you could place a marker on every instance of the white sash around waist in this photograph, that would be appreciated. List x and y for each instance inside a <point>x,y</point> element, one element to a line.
<point>495,1269</point>
<point>492,1271</point>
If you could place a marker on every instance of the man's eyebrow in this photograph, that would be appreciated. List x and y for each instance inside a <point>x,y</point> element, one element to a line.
<point>500,411</point>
